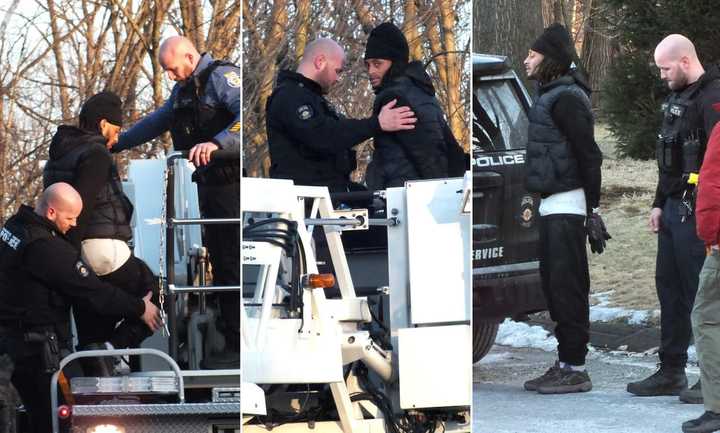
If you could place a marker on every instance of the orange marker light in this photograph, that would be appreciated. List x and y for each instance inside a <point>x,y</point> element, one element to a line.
<point>320,281</point>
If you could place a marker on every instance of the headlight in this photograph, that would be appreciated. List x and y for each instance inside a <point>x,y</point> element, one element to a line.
<point>106,428</point>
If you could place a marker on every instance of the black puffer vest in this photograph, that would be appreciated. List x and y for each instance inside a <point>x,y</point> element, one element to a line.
<point>195,121</point>
<point>551,166</point>
<point>25,300</point>
<point>111,217</point>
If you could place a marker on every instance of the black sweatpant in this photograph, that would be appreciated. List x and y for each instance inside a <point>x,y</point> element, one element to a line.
<point>566,283</point>
<point>680,257</point>
<point>223,244</point>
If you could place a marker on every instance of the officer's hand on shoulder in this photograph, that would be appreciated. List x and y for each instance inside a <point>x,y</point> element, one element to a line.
<point>200,153</point>
<point>392,118</point>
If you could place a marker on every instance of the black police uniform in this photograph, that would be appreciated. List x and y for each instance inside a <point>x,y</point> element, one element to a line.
<point>309,141</point>
<point>688,118</point>
<point>206,108</point>
<point>80,158</point>
<point>41,274</point>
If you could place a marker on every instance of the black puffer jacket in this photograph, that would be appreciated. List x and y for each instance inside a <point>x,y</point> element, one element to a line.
<point>419,153</point>
<point>81,159</point>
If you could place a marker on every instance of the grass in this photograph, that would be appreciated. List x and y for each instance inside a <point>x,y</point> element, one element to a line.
<point>627,267</point>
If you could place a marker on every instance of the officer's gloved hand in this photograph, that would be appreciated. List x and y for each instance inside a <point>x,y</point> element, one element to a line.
<point>597,233</point>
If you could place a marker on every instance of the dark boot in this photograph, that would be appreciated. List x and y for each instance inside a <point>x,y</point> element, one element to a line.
<point>552,372</point>
<point>566,381</point>
<point>692,395</point>
<point>668,380</point>
<point>707,423</point>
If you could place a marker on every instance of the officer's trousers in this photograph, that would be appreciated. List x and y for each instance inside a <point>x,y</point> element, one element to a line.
<point>28,378</point>
<point>223,244</point>
<point>680,257</point>
<point>706,328</point>
<point>566,283</point>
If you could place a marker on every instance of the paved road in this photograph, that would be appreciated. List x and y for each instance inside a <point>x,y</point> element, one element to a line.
<point>500,405</point>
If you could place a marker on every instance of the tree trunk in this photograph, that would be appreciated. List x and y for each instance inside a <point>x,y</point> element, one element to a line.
<point>598,48</point>
<point>508,28</point>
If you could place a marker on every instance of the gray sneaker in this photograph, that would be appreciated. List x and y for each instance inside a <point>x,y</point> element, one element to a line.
<point>707,423</point>
<point>566,381</point>
<point>692,395</point>
<point>532,384</point>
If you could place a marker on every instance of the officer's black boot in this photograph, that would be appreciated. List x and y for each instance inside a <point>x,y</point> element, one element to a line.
<point>96,367</point>
<point>668,380</point>
<point>707,423</point>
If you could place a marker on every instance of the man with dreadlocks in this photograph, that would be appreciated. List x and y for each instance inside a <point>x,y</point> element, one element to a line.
<point>429,151</point>
<point>563,166</point>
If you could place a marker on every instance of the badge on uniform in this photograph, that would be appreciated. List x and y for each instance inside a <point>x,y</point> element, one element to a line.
<point>232,79</point>
<point>82,269</point>
<point>305,112</point>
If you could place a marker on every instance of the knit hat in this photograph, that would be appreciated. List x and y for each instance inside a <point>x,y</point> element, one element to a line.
<point>386,41</point>
<point>104,105</point>
<point>555,42</point>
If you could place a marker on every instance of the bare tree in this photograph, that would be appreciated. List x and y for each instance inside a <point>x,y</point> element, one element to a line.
<point>57,53</point>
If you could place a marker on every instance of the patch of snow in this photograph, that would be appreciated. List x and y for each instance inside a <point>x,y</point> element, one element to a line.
<point>491,358</point>
<point>601,312</point>
<point>518,334</point>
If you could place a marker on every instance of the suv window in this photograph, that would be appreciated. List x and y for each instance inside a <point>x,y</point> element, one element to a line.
<point>500,122</point>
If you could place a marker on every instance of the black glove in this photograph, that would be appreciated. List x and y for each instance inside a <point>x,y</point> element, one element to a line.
<point>597,233</point>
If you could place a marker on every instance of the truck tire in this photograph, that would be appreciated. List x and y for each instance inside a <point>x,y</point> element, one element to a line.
<point>484,334</point>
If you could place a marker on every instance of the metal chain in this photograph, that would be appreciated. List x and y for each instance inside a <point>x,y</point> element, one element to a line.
<point>161,278</point>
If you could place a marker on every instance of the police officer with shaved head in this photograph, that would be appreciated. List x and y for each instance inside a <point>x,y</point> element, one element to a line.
<point>689,114</point>
<point>41,275</point>
<point>203,115</point>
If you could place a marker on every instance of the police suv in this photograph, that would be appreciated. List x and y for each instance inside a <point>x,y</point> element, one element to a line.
<point>506,276</point>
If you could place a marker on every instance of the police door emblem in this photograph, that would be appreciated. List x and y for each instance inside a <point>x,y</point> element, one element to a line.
<point>304,112</point>
<point>82,269</point>
<point>232,79</point>
<point>526,211</point>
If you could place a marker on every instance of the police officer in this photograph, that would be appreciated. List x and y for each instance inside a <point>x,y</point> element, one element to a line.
<point>689,114</point>
<point>426,152</point>
<point>309,141</point>
<point>41,274</point>
<point>203,115</point>
<point>80,156</point>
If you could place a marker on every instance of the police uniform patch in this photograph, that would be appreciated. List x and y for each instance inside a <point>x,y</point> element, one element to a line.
<point>82,269</point>
<point>304,112</point>
<point>232,79</point>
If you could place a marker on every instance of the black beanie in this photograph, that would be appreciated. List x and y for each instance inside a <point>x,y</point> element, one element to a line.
<point>555,42</point>
<point>386,41</point>
<point>104,105</point>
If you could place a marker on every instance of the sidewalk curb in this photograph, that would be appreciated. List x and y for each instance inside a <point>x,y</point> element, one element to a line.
<point>613,336</point>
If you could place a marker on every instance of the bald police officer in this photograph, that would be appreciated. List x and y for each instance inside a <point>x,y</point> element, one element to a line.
<point>41,275</point>
<point>203,115</point>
